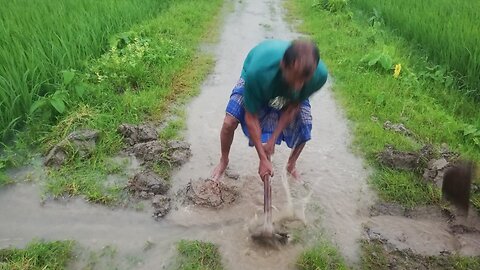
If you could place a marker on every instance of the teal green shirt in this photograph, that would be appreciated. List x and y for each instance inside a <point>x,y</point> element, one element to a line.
<point>264,83</point>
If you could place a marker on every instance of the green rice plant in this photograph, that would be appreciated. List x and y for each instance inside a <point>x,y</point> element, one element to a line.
<point>41,38</point>
<point>418,93</point>
<point>446,29</point>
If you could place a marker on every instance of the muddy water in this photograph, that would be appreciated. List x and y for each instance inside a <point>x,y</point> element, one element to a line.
<point>333,199</point>
<point>334,177</point>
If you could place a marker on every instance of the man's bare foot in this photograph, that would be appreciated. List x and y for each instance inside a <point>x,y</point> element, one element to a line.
<point>292,170</point>
<point>219,170</point>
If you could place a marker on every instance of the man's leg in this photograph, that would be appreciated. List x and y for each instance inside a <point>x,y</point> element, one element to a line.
<point>292,160</point>
<point>226,139</point>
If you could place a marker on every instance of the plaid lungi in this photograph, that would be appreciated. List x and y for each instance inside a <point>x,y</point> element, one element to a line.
<point>298,132</point>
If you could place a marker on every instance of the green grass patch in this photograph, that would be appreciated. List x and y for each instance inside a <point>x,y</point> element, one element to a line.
<point>42,41</point>
<point>376,256</point>
<point>4,179</point>
<point>380,76</point>
<point>147,74</point>
<point>322,256</point>
<point>449,35</point>
<point>405,188</point>
<point>37,256</point>
<point>198,255</point>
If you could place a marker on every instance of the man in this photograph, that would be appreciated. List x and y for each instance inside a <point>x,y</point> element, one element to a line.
<point>270,101</point>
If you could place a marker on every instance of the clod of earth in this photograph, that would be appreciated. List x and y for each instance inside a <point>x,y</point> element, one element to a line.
<point>81,143</point>
<point>208,193</point>
<point>431,163</point>
<point>405,160</point>
<point>381,255</point>
<point>144,144</point>
<point>147,184</point>
<point>175,153</point>
<point>400,128</point>
<point>389,209</point>
<point>393,209</point>
<point>134,134</point>
<point>161,205</point>
<point>179,152</point>
<point>149,151</point>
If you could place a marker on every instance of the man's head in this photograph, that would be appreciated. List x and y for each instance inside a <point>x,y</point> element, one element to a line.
<point>299,63</point>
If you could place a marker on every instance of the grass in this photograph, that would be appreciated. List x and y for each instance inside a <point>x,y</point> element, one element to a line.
<point>198,255</point>
<point>397,186</point>
<point>4,179</point>
<point>321,256</point>
<point>147,75</point>
<point>37,256</point>
<point>39,40</point>
<point>452,42</point>
<point>361,58</point>
<point>376,256</point>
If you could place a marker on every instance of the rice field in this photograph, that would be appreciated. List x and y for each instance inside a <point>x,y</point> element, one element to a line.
<point>41,38</point>
<point>448,30</point>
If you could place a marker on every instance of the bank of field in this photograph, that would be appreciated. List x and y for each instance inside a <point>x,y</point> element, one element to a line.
<point>446,29</point>
<point>38,255</point>
<point>41,38</point>
<point>145,75</point>
<point>361,57</point>
<point>380,75</point>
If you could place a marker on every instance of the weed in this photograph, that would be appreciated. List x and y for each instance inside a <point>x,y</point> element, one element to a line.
<point>38,255</point>
<point>198,255</point>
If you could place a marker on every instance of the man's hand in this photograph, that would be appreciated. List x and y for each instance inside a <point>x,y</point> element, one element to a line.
<point>265,168</point>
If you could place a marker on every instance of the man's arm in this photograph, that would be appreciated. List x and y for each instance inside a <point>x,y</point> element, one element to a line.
<point>287,116</point>
<point>253,125</point>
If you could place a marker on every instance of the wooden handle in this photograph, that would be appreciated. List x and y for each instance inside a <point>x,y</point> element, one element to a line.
<point>267,199</point>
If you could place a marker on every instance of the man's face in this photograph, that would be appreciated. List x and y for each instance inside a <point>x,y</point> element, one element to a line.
<point>297,75</point>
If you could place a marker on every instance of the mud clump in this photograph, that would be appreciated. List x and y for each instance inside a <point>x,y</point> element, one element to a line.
<point>178,152</point>
<point>377,254</point>
<point>147,184</point>
<point>161,205</point>
<point>133,134</point>
<point>211,194</point>
<point>428,162</point>
<point>388,209</point>
<point>403,160</point>
<point>149,151</point>
<point>143,143</point>
<point>80,143</point>
<point>392,209</point>
<point>399,128</point>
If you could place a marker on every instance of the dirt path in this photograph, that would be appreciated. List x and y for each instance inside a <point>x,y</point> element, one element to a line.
<point>332,173</point>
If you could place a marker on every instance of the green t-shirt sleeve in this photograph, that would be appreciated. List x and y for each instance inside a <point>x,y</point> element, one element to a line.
<point>253,98</point>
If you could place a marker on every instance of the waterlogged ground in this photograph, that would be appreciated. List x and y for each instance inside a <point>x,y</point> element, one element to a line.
<point>333,202</point>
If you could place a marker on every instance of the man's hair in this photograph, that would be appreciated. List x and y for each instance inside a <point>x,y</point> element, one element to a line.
<point>300,48</point>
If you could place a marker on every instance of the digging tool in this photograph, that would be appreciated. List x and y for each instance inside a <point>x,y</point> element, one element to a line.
<point>456,185</point>
<point>266,235</point>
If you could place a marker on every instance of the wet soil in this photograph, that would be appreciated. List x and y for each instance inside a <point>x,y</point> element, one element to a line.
<point>208,193</point>
<point>426,231</point>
